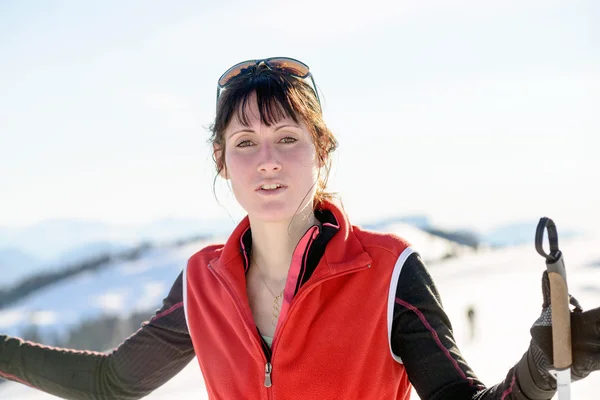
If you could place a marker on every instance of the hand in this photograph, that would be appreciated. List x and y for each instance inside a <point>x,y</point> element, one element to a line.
<point>585,340</point>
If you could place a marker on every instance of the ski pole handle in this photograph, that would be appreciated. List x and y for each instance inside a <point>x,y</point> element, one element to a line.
<point>559,299</point>
<point>561,315</point>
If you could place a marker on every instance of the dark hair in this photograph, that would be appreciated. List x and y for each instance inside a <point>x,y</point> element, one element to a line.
<point>278,95</point>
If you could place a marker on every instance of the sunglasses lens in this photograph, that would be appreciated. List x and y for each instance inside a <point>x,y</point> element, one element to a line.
<point>234,71</point>
<point>291,66</point>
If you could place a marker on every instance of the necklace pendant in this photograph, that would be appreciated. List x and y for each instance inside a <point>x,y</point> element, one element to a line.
<point>276,309</point>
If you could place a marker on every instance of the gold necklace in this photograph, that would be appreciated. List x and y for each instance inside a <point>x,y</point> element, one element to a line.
<point>276,298</point>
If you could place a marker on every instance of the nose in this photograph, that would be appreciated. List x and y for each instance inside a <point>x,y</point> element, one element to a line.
<point>269,159</point>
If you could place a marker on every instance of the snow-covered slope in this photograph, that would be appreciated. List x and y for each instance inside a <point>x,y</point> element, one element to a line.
<point>432,248</point>
<point>49,244</point>
<point>119,289</point>
<point>15,264</point>
<point>126,287</point>
<point>503,285</point>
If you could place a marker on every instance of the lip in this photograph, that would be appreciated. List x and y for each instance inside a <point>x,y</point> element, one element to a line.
<point>258,188</point>
<point>270,193</point>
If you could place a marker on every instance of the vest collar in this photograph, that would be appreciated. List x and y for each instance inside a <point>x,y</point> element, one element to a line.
<point>343,252</point>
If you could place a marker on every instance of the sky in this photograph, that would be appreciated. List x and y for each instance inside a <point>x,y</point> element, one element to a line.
<point>473,113</point>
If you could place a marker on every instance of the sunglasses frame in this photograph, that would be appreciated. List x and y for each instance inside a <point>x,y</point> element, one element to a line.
<point>266,61</point>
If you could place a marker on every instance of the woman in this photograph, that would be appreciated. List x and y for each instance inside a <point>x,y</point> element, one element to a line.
<point>298,303</point>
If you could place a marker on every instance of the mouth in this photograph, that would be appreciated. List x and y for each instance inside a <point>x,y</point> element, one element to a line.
<point>270,187</point>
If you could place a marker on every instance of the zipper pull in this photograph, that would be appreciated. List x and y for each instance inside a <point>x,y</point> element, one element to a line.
<point>268,369</point>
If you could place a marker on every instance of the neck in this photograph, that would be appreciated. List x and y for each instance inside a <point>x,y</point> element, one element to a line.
<point>273,243</point>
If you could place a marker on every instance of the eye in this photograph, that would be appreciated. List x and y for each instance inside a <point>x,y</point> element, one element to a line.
<point>289,139</point>
<point>244,143</point>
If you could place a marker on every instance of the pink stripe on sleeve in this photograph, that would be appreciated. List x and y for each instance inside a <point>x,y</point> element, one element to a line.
<point>435,337</point>
<point>14,378</point>
<point>170,310</point>
<point>510,389</point>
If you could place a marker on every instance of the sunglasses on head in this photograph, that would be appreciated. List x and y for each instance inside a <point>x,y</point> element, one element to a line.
<point>287,65</point>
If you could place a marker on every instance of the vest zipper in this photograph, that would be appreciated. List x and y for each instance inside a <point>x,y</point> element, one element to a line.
<point>268,369</point>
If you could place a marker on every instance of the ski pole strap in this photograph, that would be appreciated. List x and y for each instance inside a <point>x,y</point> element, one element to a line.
<point>547,223</point>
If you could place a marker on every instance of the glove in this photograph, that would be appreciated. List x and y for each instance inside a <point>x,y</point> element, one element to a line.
<point>585,342</point>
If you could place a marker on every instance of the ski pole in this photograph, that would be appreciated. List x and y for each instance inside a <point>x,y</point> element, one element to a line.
<point>559,299</point>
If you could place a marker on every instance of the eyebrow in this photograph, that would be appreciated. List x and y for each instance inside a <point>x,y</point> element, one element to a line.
<point>248,130</point>
<point>240,131</point>
<point>287,126</point>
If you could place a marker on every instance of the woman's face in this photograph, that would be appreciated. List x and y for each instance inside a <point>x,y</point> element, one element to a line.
<point>273,170</point>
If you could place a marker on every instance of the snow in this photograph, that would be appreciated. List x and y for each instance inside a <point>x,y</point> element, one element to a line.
<point>120,289</point>
<point>431,247</point>
<point>503,284</point>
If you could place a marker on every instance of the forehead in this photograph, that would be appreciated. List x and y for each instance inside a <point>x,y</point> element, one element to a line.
<point>269,112</point>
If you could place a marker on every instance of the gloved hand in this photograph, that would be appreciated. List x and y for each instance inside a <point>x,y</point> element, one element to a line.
<point>585,339</point>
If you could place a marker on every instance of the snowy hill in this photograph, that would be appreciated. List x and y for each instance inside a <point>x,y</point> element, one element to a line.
<point>123,288</point>
<point>119,289</point>
<point>503,284</point>
<point>49,244</point>
<point>432,248</point>
<point>518,233</point>
<point>51,239</point>
<point>16,263</point>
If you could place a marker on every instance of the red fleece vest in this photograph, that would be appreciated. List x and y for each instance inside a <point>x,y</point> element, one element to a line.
<point>331,343</point>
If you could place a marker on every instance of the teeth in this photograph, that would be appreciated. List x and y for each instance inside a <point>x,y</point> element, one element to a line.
<point>271,187</point>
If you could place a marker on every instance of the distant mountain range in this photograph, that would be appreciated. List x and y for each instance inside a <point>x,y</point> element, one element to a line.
<point>511,234</point>
<point>16,263</point>
<point>53,243</point>
<point>519,233</point>
<point>49,240</point>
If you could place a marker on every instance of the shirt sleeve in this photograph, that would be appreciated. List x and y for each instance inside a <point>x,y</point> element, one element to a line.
<point>147,359</point>
<point>422,337</point>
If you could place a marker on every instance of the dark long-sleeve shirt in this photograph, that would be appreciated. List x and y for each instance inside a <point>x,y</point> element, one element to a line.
<point>421,336</point>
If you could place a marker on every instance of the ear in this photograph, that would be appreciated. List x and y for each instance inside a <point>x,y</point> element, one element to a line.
<point>217,152</point>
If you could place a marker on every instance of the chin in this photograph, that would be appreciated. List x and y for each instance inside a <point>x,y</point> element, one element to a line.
<point>274,211</point>
<point>273,214</point>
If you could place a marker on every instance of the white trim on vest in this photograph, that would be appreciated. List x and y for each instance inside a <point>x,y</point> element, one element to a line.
<point>392,296</point>
<point>184,295</point>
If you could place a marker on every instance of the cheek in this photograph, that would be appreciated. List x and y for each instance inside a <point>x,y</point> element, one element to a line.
<point>312,161</point>
<point>305,169</point>
<point>303,155</point>
<point>237,165</point>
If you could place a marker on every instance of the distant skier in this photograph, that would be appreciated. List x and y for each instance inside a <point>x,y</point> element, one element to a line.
<point>471,317</point>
